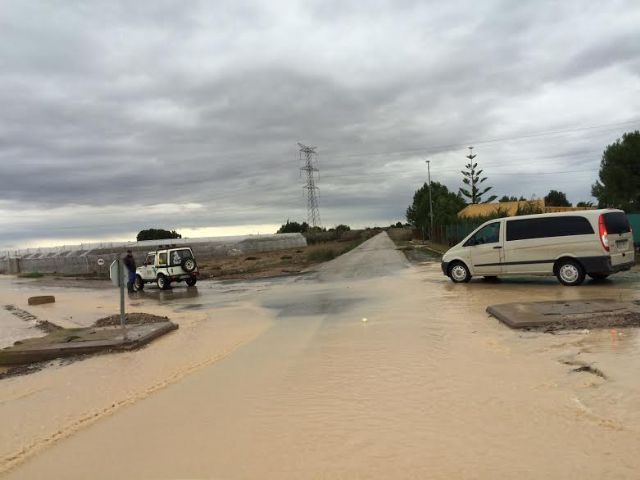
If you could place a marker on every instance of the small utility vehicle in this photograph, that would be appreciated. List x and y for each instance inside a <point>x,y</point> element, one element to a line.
<point>165,265</point>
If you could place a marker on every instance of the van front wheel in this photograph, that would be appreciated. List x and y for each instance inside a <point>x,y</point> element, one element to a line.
<point>459,273</point>
<point>570,272</point>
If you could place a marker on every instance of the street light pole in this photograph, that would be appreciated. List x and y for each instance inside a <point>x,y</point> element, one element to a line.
<point>430,201</point>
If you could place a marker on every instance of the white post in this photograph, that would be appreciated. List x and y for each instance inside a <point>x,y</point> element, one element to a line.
<point>121,285</point>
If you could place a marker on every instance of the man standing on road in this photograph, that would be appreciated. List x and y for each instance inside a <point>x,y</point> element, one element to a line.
<point>130,263</point>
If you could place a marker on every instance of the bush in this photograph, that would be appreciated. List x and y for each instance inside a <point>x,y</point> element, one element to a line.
<point>528,208</point>
<point>293,227</point>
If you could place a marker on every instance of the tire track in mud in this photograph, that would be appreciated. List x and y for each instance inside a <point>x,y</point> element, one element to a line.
<point>12,460</point>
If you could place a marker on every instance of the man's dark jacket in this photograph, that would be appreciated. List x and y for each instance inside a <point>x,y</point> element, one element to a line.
<point>130,263</point>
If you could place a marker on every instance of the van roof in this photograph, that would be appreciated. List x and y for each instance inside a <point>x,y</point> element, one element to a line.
<point>581,213</point>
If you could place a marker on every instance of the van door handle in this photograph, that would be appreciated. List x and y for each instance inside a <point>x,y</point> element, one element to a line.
<point>497,248</point>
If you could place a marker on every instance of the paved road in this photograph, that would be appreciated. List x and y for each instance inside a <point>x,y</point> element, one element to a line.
<point>374,258</point>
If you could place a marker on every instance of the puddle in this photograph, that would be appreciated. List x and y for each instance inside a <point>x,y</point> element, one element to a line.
<point>313,305</point>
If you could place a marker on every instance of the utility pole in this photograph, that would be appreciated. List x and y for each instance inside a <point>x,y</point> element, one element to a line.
<point>430,201</point>
<point>308,156</point>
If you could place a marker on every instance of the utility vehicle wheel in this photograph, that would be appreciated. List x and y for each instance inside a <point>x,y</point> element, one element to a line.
<point>191,281</point>
<point>138,284</point>
<point>459,273</point>
<point>570,272</point>
<point>598,276</point>
<point>188,264</point>
<point>163,282</point>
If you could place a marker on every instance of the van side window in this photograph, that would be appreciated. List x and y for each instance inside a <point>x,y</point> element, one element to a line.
<point>487,234</point>
<point>547,227</point>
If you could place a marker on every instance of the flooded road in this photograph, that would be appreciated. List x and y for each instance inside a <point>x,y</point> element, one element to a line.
<point>370,368</point>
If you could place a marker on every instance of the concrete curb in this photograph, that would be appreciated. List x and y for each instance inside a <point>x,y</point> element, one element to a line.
<point>567,315</point>
<point>78,342</point>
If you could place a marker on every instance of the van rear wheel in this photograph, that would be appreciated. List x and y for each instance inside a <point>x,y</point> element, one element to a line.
<point>569,272</point>
<point>459,273</point>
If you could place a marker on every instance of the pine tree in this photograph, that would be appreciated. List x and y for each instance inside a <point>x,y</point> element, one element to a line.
<point>472,179</point>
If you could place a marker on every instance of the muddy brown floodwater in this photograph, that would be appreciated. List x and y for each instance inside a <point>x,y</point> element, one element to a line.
<point>285,379</point>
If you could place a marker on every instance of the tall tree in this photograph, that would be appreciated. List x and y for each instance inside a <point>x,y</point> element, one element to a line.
<point>473,180</point>
<point>555,198</point>
<point>618,183</point>
<point>446,206</point>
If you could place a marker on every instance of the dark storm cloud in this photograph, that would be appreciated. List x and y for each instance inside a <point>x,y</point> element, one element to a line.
<point>112,104</point>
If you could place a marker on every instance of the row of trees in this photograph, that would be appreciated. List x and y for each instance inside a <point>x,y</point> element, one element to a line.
<point>473,189</point>
<point>554,198</point>
<point>295,227</point>
<point>618,183</point>
<point>157,234</point>
<point>618,186</point>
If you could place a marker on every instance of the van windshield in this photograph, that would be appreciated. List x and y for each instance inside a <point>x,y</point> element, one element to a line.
<point>487,234</point>
<point>616,222</point>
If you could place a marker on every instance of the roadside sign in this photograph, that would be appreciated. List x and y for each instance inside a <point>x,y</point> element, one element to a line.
<point>117,274</point>
<point>100,262</point>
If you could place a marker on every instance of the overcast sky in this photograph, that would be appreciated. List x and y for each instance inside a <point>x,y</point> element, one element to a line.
<point>122,115</point>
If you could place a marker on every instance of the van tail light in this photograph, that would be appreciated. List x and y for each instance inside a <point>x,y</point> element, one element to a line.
<point>603,233</point>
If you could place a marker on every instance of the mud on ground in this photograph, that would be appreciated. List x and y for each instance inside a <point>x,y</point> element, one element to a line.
<point>590,322</point>
<point>276,263</point>
<point>130,319</point>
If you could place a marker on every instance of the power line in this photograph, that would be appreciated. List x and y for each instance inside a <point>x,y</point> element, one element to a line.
<point>413,174</point>
<point>428,149</point>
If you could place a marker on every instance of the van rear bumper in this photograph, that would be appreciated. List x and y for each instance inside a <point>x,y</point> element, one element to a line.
<point>603,265</point>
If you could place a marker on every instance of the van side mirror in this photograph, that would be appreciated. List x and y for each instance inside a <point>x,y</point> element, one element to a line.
<point>471,242</point>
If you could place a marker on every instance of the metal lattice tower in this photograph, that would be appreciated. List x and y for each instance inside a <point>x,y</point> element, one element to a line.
<point>308,156</point>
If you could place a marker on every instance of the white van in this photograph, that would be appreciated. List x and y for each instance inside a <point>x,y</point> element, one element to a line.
<point>568,245</point>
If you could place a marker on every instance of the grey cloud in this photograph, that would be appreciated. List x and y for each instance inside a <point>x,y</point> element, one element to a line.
<point>113,104</point>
